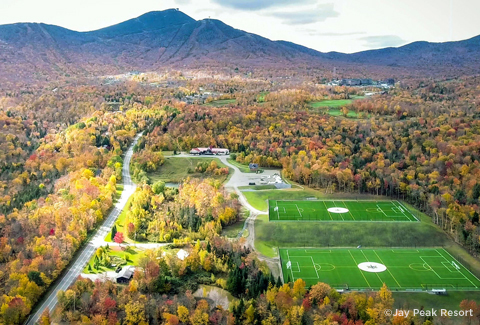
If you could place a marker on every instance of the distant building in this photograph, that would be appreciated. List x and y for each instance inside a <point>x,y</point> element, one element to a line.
<point>356,82</point>
<point>253,167</point>
<point>125,275</point>
<point>209,151</point>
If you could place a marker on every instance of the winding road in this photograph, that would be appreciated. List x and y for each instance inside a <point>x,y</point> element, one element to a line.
<point>76,267</point>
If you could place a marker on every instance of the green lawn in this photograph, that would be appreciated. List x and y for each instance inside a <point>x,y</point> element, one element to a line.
<point>399,268</point>
<point>176,170</point>
<point>331,103</point>
<point>221,102</point>
<point>119,192</point>
<point>232,231</point>
<point>409,301</point>
<point>339,210</point>
<point>349,234</point>
<point>120,223</point>
<point>261,97</point>
<point>133,255</point>
<point>243,168</point>
<point>257,187</point>
<point>260,245</point>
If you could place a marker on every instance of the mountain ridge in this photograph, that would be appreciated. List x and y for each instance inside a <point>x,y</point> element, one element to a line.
<point>171,38</point>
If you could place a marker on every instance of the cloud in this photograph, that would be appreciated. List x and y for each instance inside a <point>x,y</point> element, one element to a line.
<point>383,41</point>
<point>314,32</point>
<point>308,16</point>
<point>253,5</point>
<point>183,2</point>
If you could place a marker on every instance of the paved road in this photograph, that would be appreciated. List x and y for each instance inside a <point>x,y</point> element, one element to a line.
<point>86,253</point>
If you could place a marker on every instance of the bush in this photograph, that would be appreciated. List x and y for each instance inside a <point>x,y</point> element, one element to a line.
<point>158,187</point>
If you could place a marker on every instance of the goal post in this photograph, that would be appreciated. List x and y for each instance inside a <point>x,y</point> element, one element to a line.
<point>455,266</point>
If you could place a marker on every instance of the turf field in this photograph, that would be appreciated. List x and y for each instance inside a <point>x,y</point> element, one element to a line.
<point>336,210</point>
<point>406,269</point>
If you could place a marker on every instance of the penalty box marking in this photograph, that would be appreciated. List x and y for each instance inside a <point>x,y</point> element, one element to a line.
<point>432,269</point>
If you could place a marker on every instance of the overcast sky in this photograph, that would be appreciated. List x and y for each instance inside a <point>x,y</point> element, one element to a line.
<point>325,25</point>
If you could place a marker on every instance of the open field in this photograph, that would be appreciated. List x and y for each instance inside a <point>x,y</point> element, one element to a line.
<point>411,300</point>
<point>176,169</point>
<point>243,168</point>
<point>120,223</point>
<point>232,231</point>
<point>221,102</point>
<point>331,103</point>
<point>269,235</point>
<point>131,256</point>
<point>399,268</point>
<point>339,210</point>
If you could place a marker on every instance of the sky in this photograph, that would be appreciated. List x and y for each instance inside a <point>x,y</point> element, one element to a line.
<point>325,25</point>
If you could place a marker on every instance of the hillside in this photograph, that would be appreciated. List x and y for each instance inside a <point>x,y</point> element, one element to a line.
<point>171,38</point>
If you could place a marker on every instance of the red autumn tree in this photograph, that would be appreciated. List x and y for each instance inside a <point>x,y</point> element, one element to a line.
<point>118,238</point>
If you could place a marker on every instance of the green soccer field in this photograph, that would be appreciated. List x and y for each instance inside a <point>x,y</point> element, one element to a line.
<point>338,210</point>
<point>400,269</point>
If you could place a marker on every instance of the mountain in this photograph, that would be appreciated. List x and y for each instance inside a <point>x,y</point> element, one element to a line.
<point>154,40</point>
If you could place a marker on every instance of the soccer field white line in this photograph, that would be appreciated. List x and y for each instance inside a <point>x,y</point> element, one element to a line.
<point>326,208</point>
<point>299,211</point>
<point>433,270</point>
<point>313,263</point>
<point>387,268</point>
<point>453,258</point>
<point>401,210</point>
<point>368,260</point>
<point>346,207</point>
<point>341,216</point>
<point>291,271</point>
<point>278,214</point>
<point>401,204</point>
<point>359,269</point>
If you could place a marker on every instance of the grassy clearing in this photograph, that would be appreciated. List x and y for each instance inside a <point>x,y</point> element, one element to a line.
<point>261,246</point>
<point>341,234</point>
<point>331,103</point>
<point>409,301</point>
<point>337,112</point>
<point>222,102</point>
<point>119,193</point>
<point>175,170</point>
<point>261,97</point>
<point>132,256</point>
<point>232,231</point>
<point>243,168</point>
<point>120,223</point>
<point>257,187</point>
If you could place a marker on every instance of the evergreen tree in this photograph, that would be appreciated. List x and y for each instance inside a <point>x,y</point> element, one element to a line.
<point>114,232</point>
<point>279,282</point>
